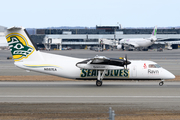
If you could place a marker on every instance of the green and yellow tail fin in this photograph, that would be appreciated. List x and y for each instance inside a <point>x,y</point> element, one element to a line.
<point>20,44</point>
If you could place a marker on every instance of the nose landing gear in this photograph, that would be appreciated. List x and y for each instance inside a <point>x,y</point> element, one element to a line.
<point>161,83</point>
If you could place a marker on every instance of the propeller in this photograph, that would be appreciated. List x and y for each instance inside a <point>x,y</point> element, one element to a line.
<point>126,62</point>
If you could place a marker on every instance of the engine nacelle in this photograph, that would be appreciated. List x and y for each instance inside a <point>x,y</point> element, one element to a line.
<point>97,67</point>
<point>153,39</point>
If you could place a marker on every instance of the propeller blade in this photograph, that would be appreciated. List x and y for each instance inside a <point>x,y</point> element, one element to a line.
<point>126,61</point>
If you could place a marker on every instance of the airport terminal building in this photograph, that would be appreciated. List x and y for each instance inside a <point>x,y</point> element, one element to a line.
<point>81,38</point>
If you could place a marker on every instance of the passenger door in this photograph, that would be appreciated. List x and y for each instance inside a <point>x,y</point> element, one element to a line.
<point>134,71</point>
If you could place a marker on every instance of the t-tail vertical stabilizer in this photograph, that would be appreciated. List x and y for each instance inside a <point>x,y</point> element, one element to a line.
<point>21,46</point>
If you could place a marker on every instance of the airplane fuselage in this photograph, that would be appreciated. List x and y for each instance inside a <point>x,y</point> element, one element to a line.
<point>27,56</point>
<point>137,42</point>
<point>66,67</point>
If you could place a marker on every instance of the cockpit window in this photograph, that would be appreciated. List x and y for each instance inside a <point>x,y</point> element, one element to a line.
<point>154,66</point>
<point>157,66</point>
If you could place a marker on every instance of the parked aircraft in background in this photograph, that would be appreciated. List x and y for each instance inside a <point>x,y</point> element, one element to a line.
<point>26,56</point>
<point>138,42</point>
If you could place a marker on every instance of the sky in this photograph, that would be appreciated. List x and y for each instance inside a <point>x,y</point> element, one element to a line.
<point>89,13</point>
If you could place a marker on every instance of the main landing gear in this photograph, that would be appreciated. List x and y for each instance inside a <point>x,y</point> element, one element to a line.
<point>100,77</point>
<point>98,82</point>
<point>161,83</point>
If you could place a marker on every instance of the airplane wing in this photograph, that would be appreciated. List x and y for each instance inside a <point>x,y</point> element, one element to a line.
<point>102,60</point>
<point>133,44</point>
<point>159,39</point>
<point>98,59</point>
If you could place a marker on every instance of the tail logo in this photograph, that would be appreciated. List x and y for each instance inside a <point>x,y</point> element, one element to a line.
<point>154,32</point>
<point>19,46</point>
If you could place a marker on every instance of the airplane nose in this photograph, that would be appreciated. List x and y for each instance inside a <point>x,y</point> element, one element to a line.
<point>168,75</point>
<point>171,76</point>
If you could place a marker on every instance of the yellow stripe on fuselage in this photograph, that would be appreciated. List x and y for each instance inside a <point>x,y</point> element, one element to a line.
<point>42,65</point>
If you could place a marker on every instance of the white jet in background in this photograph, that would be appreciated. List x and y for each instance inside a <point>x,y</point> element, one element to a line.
<point>26,56</point>
<point>138,42</point>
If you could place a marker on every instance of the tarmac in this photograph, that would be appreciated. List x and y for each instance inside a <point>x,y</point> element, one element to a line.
<point>87,92</point>
<point>125,96</point>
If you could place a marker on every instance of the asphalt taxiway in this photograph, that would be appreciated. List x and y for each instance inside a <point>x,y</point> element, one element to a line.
<point>87,92</point>
<point>127,96</point>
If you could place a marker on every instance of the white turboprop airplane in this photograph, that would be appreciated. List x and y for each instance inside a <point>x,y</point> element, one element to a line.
<point>27,57</point>
<point>138,42</point>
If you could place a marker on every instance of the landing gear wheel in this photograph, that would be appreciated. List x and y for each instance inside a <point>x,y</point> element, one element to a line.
<point>161,83</point>
<point>98,83</point>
